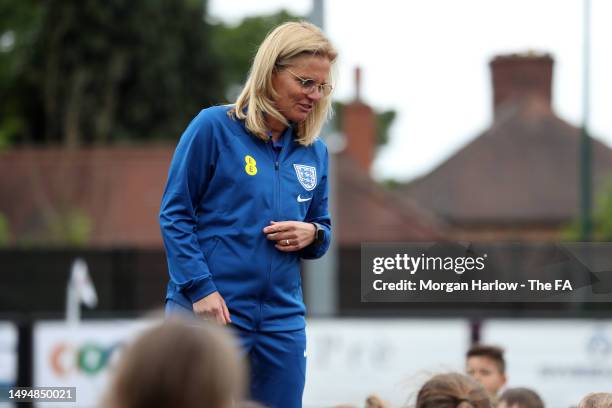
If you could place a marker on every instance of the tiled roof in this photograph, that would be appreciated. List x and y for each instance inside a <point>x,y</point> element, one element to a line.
<point>367,212</point>
<point>119,189</point>
<point>525,168</point>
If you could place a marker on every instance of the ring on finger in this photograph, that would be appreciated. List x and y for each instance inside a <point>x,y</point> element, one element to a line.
<point>286,242</point>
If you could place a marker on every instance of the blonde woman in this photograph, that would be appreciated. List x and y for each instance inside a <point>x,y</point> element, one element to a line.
<point>246,200</point>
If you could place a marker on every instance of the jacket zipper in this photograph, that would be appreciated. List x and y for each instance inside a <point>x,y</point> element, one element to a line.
<point>276,210</point>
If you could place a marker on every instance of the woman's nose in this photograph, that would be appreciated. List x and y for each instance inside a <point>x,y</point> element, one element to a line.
<point>316,94</point>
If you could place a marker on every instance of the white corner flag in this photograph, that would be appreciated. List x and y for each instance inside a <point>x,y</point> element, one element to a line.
<point>80,290</point>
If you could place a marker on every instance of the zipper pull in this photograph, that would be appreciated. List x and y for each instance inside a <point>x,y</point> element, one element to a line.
<point>276,166</point>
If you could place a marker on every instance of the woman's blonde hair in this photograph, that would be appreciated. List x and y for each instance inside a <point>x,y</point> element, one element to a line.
<point>283,44</point>
<point>178,364</point>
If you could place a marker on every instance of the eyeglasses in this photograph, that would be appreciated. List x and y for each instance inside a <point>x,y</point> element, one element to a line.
<point>310,85</point>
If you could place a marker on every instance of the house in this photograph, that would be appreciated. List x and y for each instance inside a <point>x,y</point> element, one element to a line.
<point>519,179</point>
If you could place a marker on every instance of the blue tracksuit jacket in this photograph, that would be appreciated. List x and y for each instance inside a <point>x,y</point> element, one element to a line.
<point>224,186</point>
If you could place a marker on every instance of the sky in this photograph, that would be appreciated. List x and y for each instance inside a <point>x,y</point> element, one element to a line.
<point>429,59</point>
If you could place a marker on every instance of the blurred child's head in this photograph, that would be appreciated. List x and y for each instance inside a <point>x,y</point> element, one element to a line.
<point>487,365</point>
<point>178,364</point>
<point>520,398</point>
<point>452,390</point>
<point>596,400</point>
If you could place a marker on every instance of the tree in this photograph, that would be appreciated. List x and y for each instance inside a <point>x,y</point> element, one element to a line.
<point>83,72</point>
<point>97,72</point>
<point>384,120</point>
<point>19,31</point>
<point>4,231</point>
<point>235,46</point>
<point>602,219</point>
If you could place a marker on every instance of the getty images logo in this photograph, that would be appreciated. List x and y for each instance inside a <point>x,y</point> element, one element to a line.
<point>414,264</point>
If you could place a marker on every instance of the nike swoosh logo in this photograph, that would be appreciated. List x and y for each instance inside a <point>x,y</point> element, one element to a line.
<point>301,200</point>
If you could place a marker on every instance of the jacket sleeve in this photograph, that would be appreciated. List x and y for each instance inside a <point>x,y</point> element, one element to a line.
<point>192,166</point>
<point>319,213</point>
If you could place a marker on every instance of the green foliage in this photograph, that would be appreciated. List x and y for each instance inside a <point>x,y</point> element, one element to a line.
<point>602,220</point>
<point>391,183</point>
<point>384,120</point>
<point>235,46</point>
<point>10,127</point>
<point>20,23</point>
<point>4,231</point>
<point>72,228</point>
<point>98,71</point>
<point>336,121</point>
<point>67,228</point>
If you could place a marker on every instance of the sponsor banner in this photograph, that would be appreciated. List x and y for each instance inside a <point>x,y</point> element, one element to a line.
<point>472,272</point>
<point>8,354</point>
<point>348,359</point>
<point>8,357</point>
<point>81,356</point>
<point>562,360</point>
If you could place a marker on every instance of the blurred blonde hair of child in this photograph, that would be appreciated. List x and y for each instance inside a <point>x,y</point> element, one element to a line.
<point>596,400</point>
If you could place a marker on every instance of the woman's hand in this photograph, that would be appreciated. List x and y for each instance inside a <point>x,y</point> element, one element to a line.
<point>212,307</point>
<point>290,236</point>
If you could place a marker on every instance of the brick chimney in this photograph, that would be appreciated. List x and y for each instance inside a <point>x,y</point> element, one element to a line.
<point>521,76</point>
<point>359,128</point>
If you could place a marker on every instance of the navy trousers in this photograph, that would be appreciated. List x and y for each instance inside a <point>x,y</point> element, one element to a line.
<point>277,362</point>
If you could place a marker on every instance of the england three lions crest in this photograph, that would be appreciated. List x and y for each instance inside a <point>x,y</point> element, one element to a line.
<point>307,176</point>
